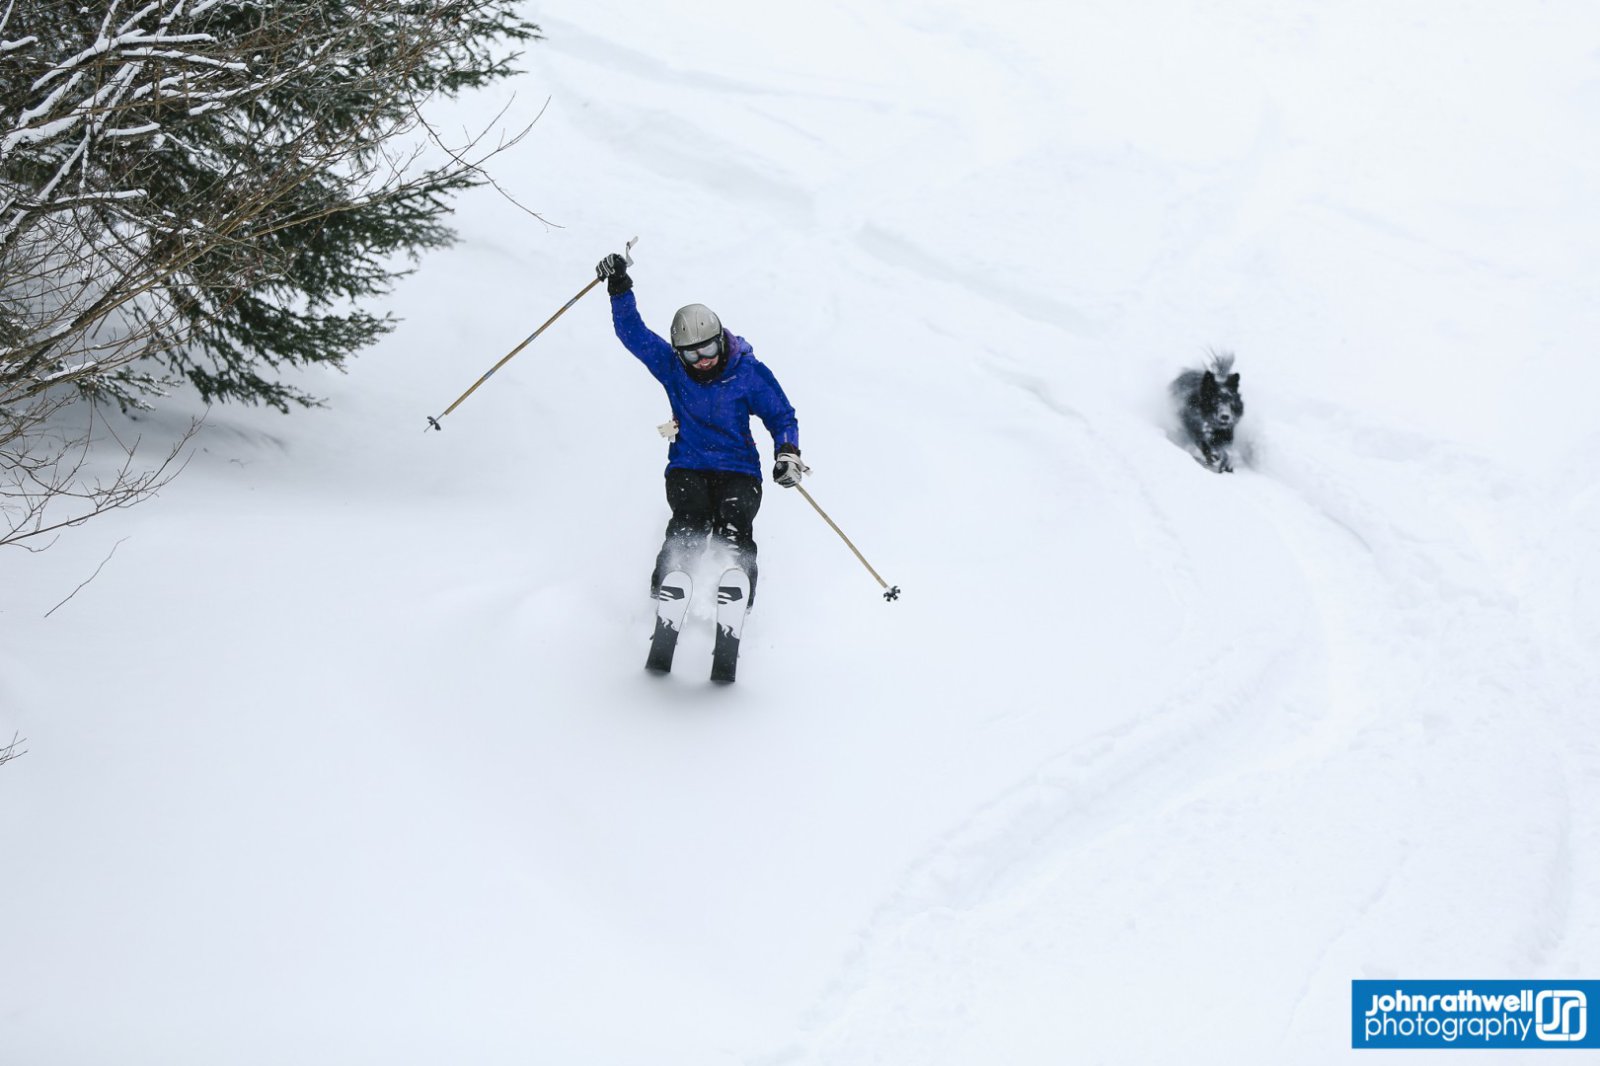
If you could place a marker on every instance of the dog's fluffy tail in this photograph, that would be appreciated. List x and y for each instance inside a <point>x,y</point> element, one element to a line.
<point>1186,384</point>
<point>1219,363</point>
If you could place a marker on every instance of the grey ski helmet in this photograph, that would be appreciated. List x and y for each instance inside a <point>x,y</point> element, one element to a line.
<point>694,327</point>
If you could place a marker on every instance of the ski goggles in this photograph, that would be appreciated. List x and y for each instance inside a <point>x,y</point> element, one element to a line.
<point>703,350</point>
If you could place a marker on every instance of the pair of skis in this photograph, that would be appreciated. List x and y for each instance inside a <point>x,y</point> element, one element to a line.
<point>672,607</point>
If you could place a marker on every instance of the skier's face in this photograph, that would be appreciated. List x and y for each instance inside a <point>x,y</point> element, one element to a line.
<point>702,356</point>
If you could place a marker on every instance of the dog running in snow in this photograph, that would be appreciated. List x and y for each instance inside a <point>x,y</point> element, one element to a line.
<point>1209,408</point>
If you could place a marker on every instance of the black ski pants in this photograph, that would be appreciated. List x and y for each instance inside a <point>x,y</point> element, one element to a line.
<point>712,504</point>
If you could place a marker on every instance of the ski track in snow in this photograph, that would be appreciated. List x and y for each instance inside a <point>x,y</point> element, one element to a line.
<point>1021,841</point>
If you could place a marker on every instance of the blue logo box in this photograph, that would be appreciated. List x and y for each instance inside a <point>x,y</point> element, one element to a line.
<point>1474,1014</point>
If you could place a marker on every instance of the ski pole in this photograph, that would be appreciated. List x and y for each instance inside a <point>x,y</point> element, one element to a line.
<point>889,593</point>
<point>433,423</point>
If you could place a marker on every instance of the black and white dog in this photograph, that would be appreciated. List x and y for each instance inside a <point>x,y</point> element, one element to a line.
<point>1209,408</point>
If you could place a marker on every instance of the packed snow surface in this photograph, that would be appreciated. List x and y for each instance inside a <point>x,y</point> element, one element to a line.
<point>346,755</point>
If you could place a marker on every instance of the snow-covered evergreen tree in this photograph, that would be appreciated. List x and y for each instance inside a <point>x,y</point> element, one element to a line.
<point>204,190</point>
<point>208,184</point>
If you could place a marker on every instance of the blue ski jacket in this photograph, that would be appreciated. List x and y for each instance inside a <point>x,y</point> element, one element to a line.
<point>713,418</point>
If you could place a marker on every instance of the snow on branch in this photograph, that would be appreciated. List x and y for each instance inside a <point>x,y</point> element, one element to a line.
<point>190,58</point>
<point>126,43</point>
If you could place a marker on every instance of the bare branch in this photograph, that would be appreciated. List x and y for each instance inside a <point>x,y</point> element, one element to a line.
<point>477,166</point>
<point>52,478</point>
<point>86,580</point>
<point>10,751</point>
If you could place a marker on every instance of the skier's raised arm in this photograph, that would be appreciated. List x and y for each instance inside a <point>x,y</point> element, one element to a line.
<point>646,346</point>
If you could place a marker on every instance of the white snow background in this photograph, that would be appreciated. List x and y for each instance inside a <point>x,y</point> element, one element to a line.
<point>346,755</point>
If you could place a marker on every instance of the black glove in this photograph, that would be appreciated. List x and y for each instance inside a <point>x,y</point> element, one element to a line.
<point>789,469</point>
<point>614,269</point>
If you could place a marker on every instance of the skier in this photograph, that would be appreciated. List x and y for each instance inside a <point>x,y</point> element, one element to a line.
<point>715,384</point>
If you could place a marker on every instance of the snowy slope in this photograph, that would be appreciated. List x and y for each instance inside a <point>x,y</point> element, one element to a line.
<point>346,755</point>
